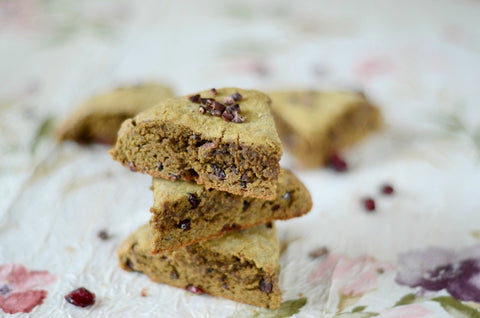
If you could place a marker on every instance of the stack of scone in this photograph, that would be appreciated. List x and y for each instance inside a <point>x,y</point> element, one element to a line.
<point>217,186</point>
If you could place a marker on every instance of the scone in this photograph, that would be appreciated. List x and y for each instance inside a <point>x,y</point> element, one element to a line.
<point>99,118</point>
<point>315,124</point>
<point>241,266</point>
<point>224,139</point>
<point>185,212</point>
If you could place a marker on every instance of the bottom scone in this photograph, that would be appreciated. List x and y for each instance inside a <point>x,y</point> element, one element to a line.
<point>241,266</point>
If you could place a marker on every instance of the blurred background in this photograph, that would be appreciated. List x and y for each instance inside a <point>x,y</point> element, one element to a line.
<point>419,61</point>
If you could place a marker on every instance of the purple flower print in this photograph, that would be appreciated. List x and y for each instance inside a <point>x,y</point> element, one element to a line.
<point>435,269</point>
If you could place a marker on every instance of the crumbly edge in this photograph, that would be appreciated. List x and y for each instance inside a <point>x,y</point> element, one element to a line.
<point>228,277</point>
<point>218,213</point>
<point>175,152</point>
<point>350,128</point>
<point>100,128</point>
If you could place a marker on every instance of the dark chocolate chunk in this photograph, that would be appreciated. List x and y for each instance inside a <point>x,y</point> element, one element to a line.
<point>202,110</point>
<point>265,287</point>
<point>217,171</point>
<point>184,225</point>
<point>193,199</point>
<point>214,91</point>
<point>160,166</point>
<point>174,274</point>
<point>103,235</point>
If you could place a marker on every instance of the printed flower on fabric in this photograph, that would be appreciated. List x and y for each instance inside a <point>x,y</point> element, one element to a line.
<point>18,288</point>
<point>434,269</point>
<point>350,278</point>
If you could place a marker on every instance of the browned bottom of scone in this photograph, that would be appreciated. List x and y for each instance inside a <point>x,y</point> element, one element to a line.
<point>345,131</point>
<point>186,213</point>
<point>201,269</point>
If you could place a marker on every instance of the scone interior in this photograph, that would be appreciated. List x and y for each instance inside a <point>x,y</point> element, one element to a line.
<point>99,118</point>
<point>185,213</point>
<point>241,266</point>
<point>315,124</point>
<point>176,141</point>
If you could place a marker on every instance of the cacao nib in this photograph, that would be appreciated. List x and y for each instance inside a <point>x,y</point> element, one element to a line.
<point>195,98</point>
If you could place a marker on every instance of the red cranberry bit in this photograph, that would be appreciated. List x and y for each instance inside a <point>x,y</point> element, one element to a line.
<point>369,204</point>
<point>337,163</point>
<point>193,199</point>
<point>81,297</point>
<point>214,91</point>
<point>184,225</point>
<point>195,98</point>
<point>132,167</point>
<point>195,289</point>
<point>237,96</point>
<point>265,287</point>
<point>387,189</point>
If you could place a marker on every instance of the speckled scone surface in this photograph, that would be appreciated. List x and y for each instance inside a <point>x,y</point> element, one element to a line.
<point>313,124</point>
<point>174,140</point>
<point>99,118</point>
<point>241,266</point>
<point>185,212</point>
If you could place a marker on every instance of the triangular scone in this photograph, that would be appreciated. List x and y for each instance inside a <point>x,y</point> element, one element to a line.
<point>179,139</point>
<point>185,213</point>
<point>315,124</point>
<point>241,266</point>
<point>99,118</point>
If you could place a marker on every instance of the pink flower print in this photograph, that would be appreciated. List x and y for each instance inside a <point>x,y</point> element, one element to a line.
<point>352,277</point>
<point>410,311</point>
<point>18,288</point>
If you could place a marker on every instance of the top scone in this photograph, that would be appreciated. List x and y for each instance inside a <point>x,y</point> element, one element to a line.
<point>222,138</point>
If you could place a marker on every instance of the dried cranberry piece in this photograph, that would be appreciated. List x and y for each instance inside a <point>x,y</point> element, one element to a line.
<point>387,189</point>
<point>369,204</point>
<point>337,163</point>
<point>81,297</point>
<point>195,289</point>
